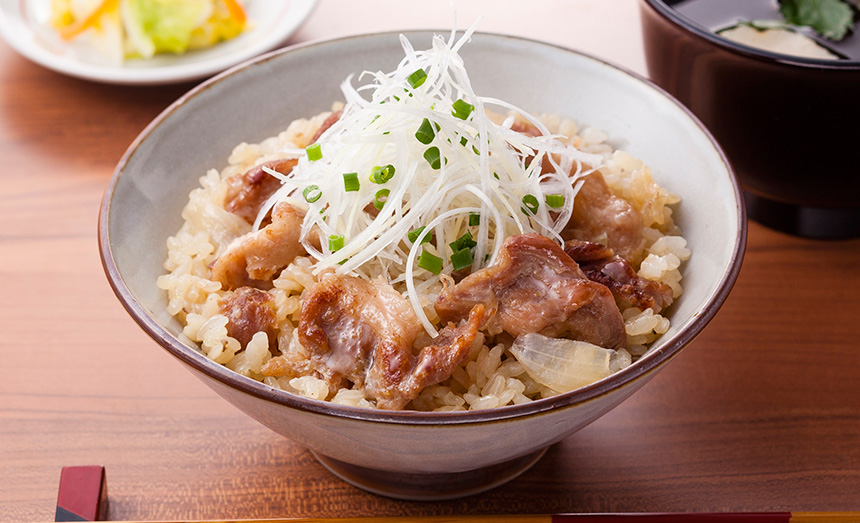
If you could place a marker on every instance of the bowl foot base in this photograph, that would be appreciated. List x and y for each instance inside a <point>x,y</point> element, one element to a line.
<point>809,222</point>
<point>429,487</point>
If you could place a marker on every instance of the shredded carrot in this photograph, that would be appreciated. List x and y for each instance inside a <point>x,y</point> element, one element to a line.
<point>237,12</point>
<point>75,29</point>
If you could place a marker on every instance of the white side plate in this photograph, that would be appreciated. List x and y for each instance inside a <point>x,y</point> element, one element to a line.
<point>24,26</point>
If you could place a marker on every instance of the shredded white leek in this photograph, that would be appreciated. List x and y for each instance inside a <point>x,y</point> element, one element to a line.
<point>485,169</point>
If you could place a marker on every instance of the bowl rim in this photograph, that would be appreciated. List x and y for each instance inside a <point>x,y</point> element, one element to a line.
<point>200,363</point>
<point>672,16</point>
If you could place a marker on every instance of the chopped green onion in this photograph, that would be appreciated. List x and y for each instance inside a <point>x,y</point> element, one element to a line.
<point>314,152</point>
<point>415,233</point>
<point>430,262</point>
<point>350,182</point>
<point>462,109</point>
<point>335,242</point>
<point>464,142</point>
<point>425,132</point>
<point>380,198</point>
<point>474,219</point>
<point>531,203</point>
<point>382,174</point>
<point>461,259</point>
<point>555,200</point>
<point>417,78</point>
<point>312,193</point>
<point>463,242</point>
<point>432,157</point>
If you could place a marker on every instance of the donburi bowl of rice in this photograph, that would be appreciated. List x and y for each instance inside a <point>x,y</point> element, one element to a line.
<point>426,257</point>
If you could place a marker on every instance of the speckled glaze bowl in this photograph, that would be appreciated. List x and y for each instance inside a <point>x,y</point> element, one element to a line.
<point>788,125</point>
<point>410,454</point>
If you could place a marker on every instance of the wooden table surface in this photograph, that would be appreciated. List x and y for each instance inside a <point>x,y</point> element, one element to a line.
<point>760,412</point>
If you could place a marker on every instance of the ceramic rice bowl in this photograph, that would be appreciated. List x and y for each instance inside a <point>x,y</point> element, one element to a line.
<point>408,454</point>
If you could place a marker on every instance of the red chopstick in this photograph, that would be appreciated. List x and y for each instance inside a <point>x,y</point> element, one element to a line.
<point>82,495</point>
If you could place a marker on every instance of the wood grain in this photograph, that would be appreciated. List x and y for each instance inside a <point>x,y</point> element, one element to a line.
<point>760,413</point>
<point>625,517</point>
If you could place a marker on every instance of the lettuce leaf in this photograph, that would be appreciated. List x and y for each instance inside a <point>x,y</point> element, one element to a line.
<point>167,24</point>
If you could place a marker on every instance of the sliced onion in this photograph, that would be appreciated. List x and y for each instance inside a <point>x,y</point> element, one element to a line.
<point>561,364</point>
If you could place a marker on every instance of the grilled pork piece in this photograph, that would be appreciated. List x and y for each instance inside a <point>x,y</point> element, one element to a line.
<point>253,259</point>
<point>600,264</point>
<point>534,286</point>
<point>396,377</point>
<point>361,332</point>
<point>247,192</point>
<point>600,216</point>
<point>249,311</point>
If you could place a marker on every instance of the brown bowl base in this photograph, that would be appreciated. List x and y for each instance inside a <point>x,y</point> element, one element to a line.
<point>430,487</point>
<point>808,222</point>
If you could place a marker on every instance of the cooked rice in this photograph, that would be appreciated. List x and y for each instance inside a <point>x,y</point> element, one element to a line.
<point>491,377</point>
